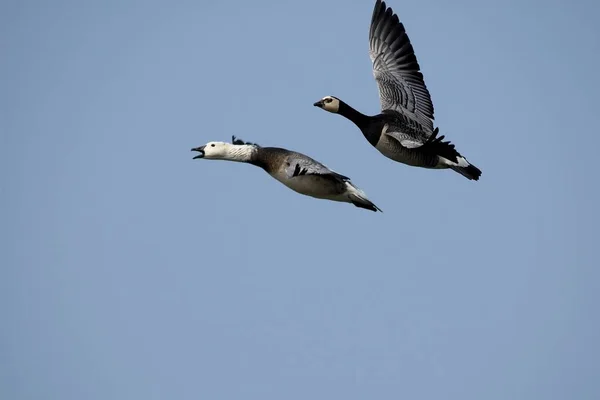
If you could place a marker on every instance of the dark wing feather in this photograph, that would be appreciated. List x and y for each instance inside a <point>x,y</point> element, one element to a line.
<point>436,145</point>
<point>396,70</point>
<point>300,165</point>
<point>235,140</point>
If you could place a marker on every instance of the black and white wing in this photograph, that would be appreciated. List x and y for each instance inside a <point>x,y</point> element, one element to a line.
<point>396,70</point>
<point>298,165</point>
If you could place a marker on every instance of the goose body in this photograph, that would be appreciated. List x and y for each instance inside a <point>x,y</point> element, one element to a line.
<point>403,131</point>
<point>295,170</point>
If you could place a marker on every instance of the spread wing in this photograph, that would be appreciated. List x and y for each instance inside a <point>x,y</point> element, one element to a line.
<point>396,70</point>
<point>299,165</point>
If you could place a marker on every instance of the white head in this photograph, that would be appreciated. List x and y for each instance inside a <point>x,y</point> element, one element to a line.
<point>225,151</point>
<point>329,103</point>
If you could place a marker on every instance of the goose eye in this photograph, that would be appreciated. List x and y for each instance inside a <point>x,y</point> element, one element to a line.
<point>212,145</point>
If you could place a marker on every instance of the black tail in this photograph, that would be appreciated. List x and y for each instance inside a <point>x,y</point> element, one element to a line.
<point>363,202</point>
<point>366,205</point>
<point>471,172</point>
<point>437,146</point>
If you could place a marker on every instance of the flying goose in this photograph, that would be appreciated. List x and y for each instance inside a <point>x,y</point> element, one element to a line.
<point>295,170</point>
<point>404,129</point>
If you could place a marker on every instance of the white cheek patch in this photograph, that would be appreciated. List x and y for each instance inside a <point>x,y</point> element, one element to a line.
<point>332,106</point>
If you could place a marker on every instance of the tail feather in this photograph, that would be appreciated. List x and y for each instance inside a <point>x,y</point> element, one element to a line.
<point>470,172</point>
<point>365,203</point>
<point>454,159</point>
<point>359,198</point>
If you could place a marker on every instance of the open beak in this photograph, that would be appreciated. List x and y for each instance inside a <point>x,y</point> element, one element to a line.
<point>199,150</point>
<point>319,104</point>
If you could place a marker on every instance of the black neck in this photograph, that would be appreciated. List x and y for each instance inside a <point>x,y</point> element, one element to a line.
<point>361,120</point>
<point>369,126</point>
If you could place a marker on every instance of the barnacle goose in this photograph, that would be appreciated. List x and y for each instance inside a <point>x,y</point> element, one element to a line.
<point>295,170</point>
<point>404,129</point>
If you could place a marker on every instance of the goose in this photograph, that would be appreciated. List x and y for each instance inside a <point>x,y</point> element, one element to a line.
<point>297,171</point>
<point>403,131</point>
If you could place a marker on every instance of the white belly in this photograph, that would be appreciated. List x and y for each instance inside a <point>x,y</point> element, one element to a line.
<point>314,186</point>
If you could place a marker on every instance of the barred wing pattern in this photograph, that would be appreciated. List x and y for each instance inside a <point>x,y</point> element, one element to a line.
<point>396,70</point>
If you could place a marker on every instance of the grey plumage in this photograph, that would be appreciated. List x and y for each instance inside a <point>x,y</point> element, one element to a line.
<point>295,170</point>
<point>397,71</point>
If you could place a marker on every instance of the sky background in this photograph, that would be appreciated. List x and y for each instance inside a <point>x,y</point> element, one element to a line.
<point>130,271</point>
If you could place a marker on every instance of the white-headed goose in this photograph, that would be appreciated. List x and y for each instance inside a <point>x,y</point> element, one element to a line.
<point>404,129</point>
<point>295,170</point>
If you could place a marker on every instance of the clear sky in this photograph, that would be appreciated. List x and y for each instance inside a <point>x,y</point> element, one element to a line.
<point>130,271</point>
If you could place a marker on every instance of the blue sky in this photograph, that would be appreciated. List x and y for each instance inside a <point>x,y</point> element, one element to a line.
<point>131,271</point>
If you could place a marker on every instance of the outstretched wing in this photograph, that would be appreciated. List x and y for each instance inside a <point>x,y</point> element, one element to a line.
<point>299,165</point>
<point>396,70</point>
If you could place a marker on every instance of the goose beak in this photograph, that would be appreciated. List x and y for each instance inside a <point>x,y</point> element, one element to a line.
<point>199,150</point>
<point>318,103</point>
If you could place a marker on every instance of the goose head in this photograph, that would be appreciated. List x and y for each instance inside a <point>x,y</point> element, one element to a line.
<point>329,103</point>
<point>213,150</point>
